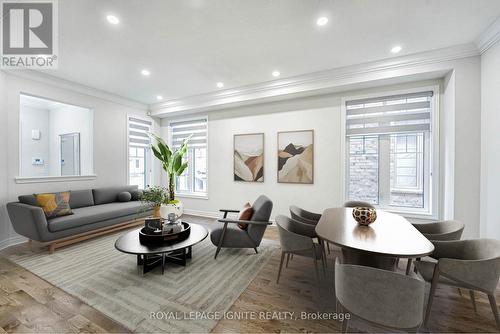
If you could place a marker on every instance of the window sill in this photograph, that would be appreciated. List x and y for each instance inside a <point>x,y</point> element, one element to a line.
<point>195,196</point>
<point>44,179</point>
<point>421,216</point>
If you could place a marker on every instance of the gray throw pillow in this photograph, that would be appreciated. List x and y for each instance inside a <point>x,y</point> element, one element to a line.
<point>135,194</point>
<point>124,196</point>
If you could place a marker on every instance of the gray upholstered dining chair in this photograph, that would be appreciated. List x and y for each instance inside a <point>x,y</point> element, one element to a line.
<point>231,236</point>
<point>353,204</point>
<point>294,240</point>
<point>309,218</point>
<point>304,216</point>
<point>444,230</point>
<point>441,230</point>
<point>378,296</point>
<point>470,264</point>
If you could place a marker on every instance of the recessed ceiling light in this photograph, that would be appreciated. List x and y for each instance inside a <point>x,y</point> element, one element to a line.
<point>396,49</point>
<point>220,85</point>
<point>159,97</point>
<point>322,21</point>
<point>146,73</point>
<point>276,73</point>
<point>112,19</point>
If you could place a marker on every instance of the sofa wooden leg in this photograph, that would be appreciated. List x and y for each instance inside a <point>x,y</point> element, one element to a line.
<point>52,248</point>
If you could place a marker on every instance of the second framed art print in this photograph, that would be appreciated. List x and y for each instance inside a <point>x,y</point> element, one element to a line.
<point>296,157</point>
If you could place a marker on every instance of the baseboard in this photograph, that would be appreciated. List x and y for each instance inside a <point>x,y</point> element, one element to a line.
<point>12,241</point>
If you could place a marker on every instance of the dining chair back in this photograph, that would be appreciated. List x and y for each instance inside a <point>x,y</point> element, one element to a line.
<point>381,297</point>
<point>353,204</point>
<point>304,216</point>
<point>294,242</point>
<point>441,230</point>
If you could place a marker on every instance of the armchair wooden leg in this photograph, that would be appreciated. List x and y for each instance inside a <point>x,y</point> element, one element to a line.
<point>255,249</point>
<point>434,283</point>
<point>473,300</point>
<point>281,266</point>
<point>494,308</point>
<point>287,260</point>
<point>219,246</point>
<point>328,247</point>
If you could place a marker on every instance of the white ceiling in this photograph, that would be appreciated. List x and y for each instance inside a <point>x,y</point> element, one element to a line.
<point>190,45</point>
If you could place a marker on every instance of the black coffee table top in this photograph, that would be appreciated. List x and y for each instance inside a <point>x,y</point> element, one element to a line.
<point>129,242</point>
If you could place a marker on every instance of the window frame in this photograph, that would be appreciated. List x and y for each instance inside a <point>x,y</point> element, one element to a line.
<point>192,194</point>
<point>148,157</point>
<point>434,210</point>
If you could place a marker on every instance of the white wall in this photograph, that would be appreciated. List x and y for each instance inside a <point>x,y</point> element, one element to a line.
<point>34,119</point>
<point>490,142</point>
<point>110,139</point>
<point>69,119</point>
<point>461,94</point>
<point>4,227</point>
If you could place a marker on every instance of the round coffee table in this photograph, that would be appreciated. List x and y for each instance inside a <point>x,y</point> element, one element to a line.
<point>151,256</point>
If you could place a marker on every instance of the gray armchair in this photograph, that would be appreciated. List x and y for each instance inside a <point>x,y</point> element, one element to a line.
<point>382,297</point>
<point>295,241</point>
<point>469,264</point>
<point>231,236</point>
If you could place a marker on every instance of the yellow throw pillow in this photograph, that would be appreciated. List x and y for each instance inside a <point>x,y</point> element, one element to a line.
<point>54,204</point>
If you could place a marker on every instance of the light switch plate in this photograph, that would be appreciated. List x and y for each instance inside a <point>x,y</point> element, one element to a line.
<point>35,134</point>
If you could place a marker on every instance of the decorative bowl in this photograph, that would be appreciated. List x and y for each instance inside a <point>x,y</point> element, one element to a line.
<point>364,215</point>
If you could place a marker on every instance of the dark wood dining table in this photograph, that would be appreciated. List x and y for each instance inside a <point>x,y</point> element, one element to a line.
<point>379,244</point>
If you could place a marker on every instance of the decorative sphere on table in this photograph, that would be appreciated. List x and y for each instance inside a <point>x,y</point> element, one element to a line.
<point>364,215</point>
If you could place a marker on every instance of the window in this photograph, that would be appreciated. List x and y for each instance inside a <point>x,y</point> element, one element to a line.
<point>139,152</point>
<point>389,151</point>
<point>194,179</point>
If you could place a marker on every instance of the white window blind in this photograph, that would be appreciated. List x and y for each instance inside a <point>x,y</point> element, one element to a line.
<point>406,113</point>
<point>389,145</point>
<point>139,153</point>
<point>138,132</point>
<point>194,179</point>
<point>182,129</point>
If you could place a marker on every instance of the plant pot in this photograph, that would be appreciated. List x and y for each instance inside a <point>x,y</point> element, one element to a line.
<point>156,211</point>
<point>167,209</point>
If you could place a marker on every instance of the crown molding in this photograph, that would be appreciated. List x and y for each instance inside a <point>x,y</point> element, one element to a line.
<point>75,87</point>
<point>489,37</point>
<point>313,83</point>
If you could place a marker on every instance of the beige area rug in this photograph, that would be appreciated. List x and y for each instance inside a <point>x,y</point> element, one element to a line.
<point>109,280</point>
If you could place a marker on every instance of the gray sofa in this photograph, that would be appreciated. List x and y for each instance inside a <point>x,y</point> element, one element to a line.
<point>93,209</point>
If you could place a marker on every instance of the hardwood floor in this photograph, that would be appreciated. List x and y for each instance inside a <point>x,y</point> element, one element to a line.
<point>28,304</point>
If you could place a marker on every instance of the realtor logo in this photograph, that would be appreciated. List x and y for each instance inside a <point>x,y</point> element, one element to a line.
<point>29,34</point>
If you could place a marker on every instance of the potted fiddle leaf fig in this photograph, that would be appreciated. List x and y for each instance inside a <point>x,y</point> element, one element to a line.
<point>173,164</point>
